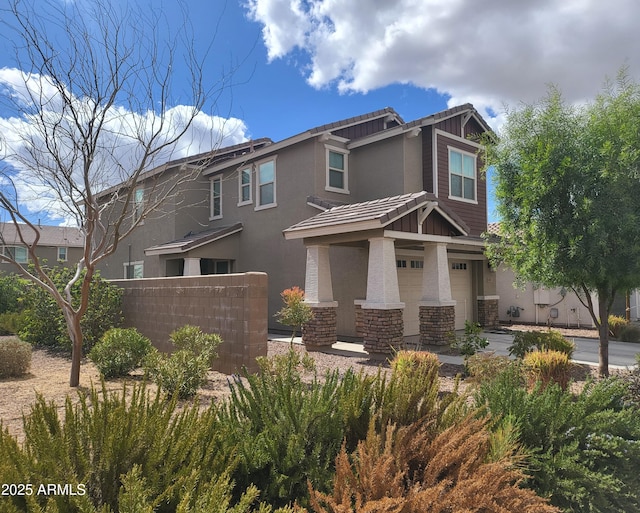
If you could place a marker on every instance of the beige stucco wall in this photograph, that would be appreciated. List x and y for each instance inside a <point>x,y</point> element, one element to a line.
<point>571,311</point>
<point>231,305</point>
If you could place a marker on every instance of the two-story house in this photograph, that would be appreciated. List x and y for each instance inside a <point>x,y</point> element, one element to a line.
<point>56,245</point>
<point>378,219</point>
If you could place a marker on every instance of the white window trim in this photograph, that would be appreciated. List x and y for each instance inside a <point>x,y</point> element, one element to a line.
<point>132,264</point>
<point>275,186</point>
<point>249,186</point>
<point>475,175</point>
<point>211,202</point>
<point>66,252</point>
<point>345,171</point>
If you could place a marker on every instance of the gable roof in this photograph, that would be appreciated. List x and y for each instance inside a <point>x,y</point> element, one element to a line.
<point>370,215</point>
<point>399,127</point>
<point>204,159</point>
<point>58,236</point>
<point>193,240</point>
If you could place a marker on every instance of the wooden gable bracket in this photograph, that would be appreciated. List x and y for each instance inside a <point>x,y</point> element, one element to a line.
<point>465,120</point>
<point>424,213</point>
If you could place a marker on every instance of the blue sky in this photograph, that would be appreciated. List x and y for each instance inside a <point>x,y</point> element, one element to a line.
<point>303,63</point>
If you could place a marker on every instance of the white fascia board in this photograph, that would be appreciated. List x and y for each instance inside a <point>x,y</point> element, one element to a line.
<point>457,138</point>
<point>335,229</point>
<point>179,248</point>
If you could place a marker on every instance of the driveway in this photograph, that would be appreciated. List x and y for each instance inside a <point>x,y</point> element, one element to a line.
<point>621,354</point>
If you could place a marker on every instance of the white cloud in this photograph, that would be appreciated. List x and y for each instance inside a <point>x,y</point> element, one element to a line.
<point>22,142</point>
<point>493,53</point>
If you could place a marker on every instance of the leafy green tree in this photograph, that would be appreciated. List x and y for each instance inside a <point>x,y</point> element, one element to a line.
<point>567,188</point>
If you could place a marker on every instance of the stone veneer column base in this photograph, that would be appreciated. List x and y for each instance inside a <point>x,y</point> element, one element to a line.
<point>436,324</point>
<point>382,331</point>
<point>488,314</point>
<point>321,332</point>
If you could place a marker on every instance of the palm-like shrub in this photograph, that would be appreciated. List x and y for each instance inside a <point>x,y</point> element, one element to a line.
<point>547,367</point>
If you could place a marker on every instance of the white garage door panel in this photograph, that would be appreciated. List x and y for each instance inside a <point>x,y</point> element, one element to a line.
<point>461,290</point>
<point>410,283</point>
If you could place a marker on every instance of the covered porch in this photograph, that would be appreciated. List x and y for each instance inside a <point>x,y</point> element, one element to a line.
<point>213,251</point>
<point>411,242</point>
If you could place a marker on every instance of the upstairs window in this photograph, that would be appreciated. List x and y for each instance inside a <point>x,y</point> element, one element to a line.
<point>462,175</point>
<point>138,204</point>
<point>266,184</point>
<point>216,198</point>
<point>337,171</point>
<point>244,193</point>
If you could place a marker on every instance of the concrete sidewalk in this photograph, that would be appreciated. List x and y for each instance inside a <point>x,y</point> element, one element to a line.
<point>621,354</point>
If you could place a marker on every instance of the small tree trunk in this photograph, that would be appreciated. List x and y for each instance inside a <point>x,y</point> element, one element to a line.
<point>75,333</point>
<point>603,362</point>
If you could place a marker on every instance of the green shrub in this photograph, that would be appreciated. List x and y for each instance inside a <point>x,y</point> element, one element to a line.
<point>184,371</point>
<point>630,333</point>
<point>581,449</point>
<point>525,341</point>
<point>616,325</point>
<point>15,357</point>
<point>44,322</point>
<point>120,351</point>
<point>547,367</point>
<point>11,323</point>
<point>471,342</point>
<point>11,291</point>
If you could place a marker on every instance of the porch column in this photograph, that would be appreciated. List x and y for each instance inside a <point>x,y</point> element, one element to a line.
<point>383,326</point>
<point>321,331</point>
<point>191,267</point>
<point>437,308</point>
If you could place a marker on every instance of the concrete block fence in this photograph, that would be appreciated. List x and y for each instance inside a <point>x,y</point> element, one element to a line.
<point>231,305</point>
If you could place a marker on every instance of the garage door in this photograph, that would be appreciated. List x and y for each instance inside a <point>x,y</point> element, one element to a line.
<point>461,290</point>
<point>410,284</point>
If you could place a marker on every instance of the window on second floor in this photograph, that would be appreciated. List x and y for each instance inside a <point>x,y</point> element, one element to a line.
<point>266,184</point>
<point>244,187</point>
<point>138,203</point>
<point>216,198</point>
<point>17,253</point>
<point>337,171</point>
<point>62,254</point>
<point>462,175</point>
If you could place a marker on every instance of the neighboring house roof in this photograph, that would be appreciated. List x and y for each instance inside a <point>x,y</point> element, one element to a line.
<point>193,240</point>
<point>493,228</point>
<point>58,236</point>
<point>370,215</point>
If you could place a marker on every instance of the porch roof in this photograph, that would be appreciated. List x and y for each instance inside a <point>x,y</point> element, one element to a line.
<point>371,215</point>
<point>193,240</point>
